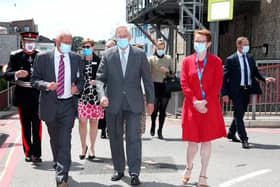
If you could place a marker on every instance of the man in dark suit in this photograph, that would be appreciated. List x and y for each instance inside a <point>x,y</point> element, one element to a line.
<point>240,73</point>
<point>120,71</point>
<point>58,74</point>
<point>25,97</point>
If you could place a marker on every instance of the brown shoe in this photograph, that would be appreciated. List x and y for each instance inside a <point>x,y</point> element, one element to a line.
<point>200,184</point>
<point>186,178</point>
<point>63,184</point>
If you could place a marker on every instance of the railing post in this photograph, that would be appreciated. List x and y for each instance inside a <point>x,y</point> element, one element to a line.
<point>254,107</point>
<point>8,93</point>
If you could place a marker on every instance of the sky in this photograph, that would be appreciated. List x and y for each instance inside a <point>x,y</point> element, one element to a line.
<point>95,19</point>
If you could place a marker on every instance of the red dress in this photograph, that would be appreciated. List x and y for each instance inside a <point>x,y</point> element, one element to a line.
<point>198,127</point>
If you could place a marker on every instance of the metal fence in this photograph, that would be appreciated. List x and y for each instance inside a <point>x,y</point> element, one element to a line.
<point>267,104</point>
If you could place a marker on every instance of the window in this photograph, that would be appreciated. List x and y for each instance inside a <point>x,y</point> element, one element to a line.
<point>26,29</point>
<point>16,29</point>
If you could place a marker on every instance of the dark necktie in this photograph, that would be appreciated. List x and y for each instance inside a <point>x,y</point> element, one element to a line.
<point>60,77</point>
<point>245,71</point>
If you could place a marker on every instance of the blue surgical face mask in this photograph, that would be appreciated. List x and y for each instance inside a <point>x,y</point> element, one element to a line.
<point>160,52</point>
<point>245,49</point>
<point>87,51</point>
<point>199,47</point>
<point>122,43</point>
<point>65,48</point>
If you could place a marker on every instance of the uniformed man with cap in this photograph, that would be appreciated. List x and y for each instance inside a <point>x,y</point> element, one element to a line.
<point>25,97</point>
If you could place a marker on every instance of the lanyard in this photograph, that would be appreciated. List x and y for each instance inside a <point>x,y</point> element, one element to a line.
<point>200,73</point>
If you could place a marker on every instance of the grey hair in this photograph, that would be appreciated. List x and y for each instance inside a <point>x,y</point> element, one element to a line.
<point>122,27</point>
<point>63,33</point>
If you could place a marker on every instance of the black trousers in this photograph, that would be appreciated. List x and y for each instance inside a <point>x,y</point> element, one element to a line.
<point>31,131</point>
<point>240,107</point>
<point>161,101</point>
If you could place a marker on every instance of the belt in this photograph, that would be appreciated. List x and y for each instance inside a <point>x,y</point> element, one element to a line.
<point>64,99</point>
<point>24,84</point>
<point>245,87</point>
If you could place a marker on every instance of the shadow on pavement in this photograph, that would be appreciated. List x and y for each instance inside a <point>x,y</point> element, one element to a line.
<point>101,160</point>
<point>74,183</point>
<point>3,138</point>
<point>173,139</point>
<point>126,179</point>
<point>14,144</point>
<point>263,146</point>
<point>146,139</point>
<point>48,165</point>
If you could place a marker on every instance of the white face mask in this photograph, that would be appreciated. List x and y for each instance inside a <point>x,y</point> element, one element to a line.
<point>29,47</point>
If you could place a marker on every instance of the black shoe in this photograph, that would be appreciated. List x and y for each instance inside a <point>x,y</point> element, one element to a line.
<point>233,137</point>
<point>82,157</point>
<point>103,134</point>
<point>245,144</point>
<point>36,160</point>
<point>152,131</point>
<point>160,135</point>
<point>54,165</point>
<point>135,180</point>
<point>91,157</point>
<point>28,159</point>
<point>117,176</point>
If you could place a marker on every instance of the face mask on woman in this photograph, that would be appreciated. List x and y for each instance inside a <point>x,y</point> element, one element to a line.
<point>199,47</point>
<point>87,51</point>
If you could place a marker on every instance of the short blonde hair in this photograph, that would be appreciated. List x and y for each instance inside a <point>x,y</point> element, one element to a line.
<point>88,40</point>
<point>240,39</point>
<point>205,33</point>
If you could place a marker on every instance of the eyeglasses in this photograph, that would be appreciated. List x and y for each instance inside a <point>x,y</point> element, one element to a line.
<point>86,47</point>
<point>201,41</point>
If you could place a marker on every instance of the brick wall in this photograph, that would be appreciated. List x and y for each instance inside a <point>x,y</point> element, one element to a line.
<point>260,26</point>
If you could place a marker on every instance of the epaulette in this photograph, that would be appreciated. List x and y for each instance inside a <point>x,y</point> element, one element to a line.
<point>16,51</point>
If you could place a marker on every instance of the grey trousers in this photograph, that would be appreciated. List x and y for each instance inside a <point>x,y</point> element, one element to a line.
<point>60,137</point>
<point>133,140</point>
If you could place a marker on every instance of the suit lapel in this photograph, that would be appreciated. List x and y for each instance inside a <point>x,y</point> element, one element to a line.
<point>118,62</point>
<point>129,60</point>
<point>250,63</point>
<point>71,67</point>
<point>52,65</point>
<point>238,64</point>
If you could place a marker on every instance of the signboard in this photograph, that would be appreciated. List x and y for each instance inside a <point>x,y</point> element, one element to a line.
<point>220,10</point>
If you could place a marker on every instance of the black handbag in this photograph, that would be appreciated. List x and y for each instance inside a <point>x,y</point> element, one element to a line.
<point>172,84</point>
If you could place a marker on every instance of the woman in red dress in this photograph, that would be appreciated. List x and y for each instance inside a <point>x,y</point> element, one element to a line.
<point>202,119</point>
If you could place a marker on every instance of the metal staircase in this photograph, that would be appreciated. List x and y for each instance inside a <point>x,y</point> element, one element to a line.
<point>191,15</point>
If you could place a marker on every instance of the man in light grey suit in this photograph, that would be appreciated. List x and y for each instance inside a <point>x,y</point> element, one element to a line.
<point>58,74</point>
<point>120,71</point>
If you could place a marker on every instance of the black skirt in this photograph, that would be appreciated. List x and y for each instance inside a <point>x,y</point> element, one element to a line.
<point>160,90</point>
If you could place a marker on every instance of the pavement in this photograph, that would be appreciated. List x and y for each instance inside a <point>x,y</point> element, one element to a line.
<point>162,164</point>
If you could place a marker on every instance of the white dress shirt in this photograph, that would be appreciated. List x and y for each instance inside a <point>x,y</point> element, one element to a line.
<point>240,58</point>
<point>67,73</point>
<point>126,53</point>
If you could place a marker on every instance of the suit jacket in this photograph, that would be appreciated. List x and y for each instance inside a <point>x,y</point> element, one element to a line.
<point>109,74</point>
<point>23,96</point>
<point>44,73</point>
<point>232,76</point>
